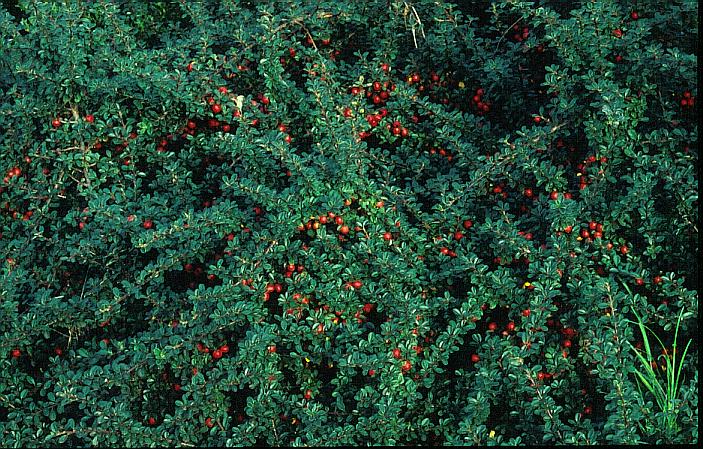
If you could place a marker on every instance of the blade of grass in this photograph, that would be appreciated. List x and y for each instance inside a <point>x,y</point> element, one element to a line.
<point>683,356</point>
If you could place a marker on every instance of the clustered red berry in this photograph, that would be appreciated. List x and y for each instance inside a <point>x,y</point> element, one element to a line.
<point>414,78</point>
<point>554,195</point>
<point>594,230</point>
<point>687,100</point>
<point>583,167</point>
<point>11,173</point>
<point>442,152</point>
<point>520,34</point>
<point>216,353</point>
<point>480,105</point>
<point>397,129</point>
<point>380,92</point>
<point>499,189</point>
<point>272,288</point>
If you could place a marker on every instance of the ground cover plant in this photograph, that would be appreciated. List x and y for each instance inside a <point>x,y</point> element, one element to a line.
<point>317,222</point>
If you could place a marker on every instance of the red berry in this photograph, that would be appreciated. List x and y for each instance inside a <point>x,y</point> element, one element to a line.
<point>526,313</point>
<point>468,224</point>
<point>151,421</point>
<point>356,284</point>
<point>657,280</point>
<point>89,118</point>
<point>387,236</point>
<point>407,366</point>
<point>639,281</point>
<point>510,326</point>
<point>475,358</point>
<point>492,326</point>
<point>371,372</point>
<point>554,195</point>
<point>624,249</point>
<point>148,224</point>
<point>458,235</point>
<point>56,123</point>
<point>216,108</point>
<point>208,422</point>
<point>634,15</point>
<point>344,229</point>
<point>308,394</point>
<point>224,349</point>
<point>15,353</point>
<point>396,353</point>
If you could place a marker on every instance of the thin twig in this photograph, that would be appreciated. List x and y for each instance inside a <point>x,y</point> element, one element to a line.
<point>505,34</point>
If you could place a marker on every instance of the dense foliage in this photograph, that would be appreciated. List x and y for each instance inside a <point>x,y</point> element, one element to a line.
<point>321,222</point>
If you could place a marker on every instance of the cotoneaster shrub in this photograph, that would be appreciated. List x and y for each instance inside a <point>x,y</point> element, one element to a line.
<point>326,223</point>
